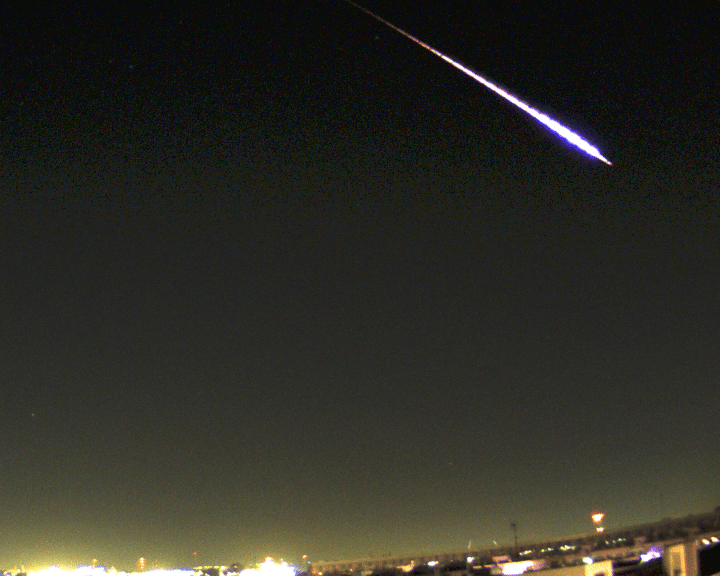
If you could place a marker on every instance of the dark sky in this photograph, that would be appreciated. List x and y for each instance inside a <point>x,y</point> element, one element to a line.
<point>276,280</point>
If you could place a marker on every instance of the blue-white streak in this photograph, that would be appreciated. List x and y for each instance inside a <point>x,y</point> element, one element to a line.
<point>554,125</point>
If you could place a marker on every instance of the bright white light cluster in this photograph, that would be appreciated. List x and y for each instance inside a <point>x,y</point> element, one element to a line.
<point>167,572</point>
<point>270,568</point>
<point>655,551</point>
<point>517,568</point>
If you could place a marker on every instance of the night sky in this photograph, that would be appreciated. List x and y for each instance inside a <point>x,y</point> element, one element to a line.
<point>276,280</point>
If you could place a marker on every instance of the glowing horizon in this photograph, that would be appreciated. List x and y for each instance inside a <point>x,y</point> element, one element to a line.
<point>268,568</point>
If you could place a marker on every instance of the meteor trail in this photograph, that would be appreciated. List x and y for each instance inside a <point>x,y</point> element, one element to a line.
<point>554,125</point>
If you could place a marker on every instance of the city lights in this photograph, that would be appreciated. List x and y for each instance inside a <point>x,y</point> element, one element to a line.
<point>267,568</point>
<point>655,551</point>
<point>517,568</point>
<point>270,568</point>
<point>101,571</point>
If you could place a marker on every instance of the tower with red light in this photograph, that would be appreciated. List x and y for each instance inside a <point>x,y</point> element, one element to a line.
<point>597,518</point>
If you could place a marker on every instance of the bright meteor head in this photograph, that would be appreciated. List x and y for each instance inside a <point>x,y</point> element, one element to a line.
<point>574,139</point>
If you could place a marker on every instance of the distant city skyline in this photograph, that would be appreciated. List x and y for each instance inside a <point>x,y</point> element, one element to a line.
<point>629,536</point>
